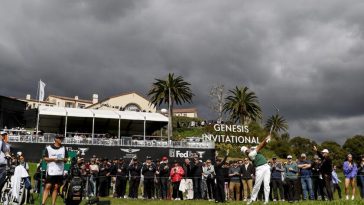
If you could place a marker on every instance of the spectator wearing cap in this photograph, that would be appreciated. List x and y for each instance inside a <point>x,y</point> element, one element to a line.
<point>304,166</point>
<point>276,179</point>
<point>350,171</point>
<point>164,171</point>
<point>247,174</point>
<point>326,171</point>
<point>361,176</point>
<point>148,171</point>
<point>55,156</point>
<point>134,169</point>
<point>176,175</point>
<point>291,171</point>
<point>208,174</point>
<point>317,182</point>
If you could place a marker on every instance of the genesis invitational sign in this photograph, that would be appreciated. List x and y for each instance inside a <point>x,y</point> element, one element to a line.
<point>234,134</point>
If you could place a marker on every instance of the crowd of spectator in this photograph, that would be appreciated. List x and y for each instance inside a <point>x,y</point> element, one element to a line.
<point>291,180</point>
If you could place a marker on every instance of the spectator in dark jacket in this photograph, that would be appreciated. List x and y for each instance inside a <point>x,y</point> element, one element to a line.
<point>164,171</point>
<point>148,171</point>
<point>326,171</point>
<point>135,172</point>
<point>121,178</point>
<point>361,176</point>
<point>247,174</point>
<point>220,181</point>
<point>197,178</point>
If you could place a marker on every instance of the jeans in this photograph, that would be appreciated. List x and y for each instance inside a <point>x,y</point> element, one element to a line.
<point>307,187</point>
<point>197,181</point>
<point>361,178</point>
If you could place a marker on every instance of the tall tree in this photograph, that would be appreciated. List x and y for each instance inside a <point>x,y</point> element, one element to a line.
<point>354,145</point>
<point>278,122</point>
<point>242,105</point>
<point>170,91</point>
<point>301,145</point>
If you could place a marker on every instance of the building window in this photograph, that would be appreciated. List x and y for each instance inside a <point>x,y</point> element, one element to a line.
<point>69,104</point>
<point>81,105</point>
<point>132,107</point>
<point>184,114</point>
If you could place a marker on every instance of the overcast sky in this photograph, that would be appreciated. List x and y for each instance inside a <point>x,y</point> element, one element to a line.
<point>306,57</point>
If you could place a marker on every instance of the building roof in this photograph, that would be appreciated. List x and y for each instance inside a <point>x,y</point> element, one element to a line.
<point>34,100</point>
<point>185,110</point>
<point>107,114</point>
<point>70,99</point>
<point>115,96</point>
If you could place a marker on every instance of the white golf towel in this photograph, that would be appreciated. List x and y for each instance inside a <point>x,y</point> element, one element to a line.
<point>19,173</point>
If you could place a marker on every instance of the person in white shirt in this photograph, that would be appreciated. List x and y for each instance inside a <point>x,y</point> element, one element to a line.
<point>55,157</point>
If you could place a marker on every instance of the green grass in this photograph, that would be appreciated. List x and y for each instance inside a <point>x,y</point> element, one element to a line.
<point>110,200</point>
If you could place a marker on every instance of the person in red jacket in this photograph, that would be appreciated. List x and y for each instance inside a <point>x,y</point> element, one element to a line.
<point>176,174</point>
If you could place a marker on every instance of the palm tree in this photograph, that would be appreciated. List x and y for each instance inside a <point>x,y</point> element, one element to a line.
<point>242,105</point>
<point>173,90</point>
<point>277,123</point>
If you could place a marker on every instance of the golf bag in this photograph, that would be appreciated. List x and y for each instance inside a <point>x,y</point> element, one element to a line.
<point>73,189</point>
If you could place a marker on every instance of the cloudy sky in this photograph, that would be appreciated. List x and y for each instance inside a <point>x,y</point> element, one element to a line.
<point>306,57</point>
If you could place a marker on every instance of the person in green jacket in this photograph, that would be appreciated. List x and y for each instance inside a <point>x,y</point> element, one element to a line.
<point>262,170</point>
<point>291,170</point>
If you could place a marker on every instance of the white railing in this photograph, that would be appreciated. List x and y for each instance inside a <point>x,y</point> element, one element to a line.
<point>123,141</point>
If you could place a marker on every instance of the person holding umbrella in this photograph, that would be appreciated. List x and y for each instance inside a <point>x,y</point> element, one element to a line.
<point>262,169</point>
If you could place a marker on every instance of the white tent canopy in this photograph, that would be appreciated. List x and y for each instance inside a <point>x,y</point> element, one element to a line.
<point>100,114</point>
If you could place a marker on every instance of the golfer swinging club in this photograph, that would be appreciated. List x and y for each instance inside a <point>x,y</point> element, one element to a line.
<point>262,170</point>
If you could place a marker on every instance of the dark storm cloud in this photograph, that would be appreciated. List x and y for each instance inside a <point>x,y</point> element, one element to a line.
<point>302,56</point>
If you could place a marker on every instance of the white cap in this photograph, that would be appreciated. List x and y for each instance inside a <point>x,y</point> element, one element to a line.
<point>289,157</point>
<point>3,132</point>
<point>243,149</point>
<point>325,151</point>
<point>303,155</point>
<point>19,153</point>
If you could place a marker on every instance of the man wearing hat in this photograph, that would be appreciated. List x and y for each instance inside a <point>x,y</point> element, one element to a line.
<point>164,171</point>
<point>305,173</point>
<point>55,156</point>
<point>262,169</point>
<point>291,172</point>
<point>326,171</point>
